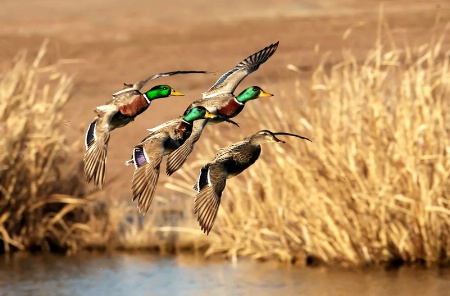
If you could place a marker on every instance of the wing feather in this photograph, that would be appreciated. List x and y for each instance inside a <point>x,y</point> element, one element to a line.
<point>178,157</point>
<point>206,208</point>
<point>207,201</point>
<point>95,159</point>
<point>145,177</point>
<point>140,84</point>
<point>228,82</point>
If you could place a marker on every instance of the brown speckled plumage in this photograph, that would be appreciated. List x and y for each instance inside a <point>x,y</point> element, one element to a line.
<point>227,163</point>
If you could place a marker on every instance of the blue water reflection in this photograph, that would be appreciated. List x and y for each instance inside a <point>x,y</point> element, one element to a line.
<point>144,274</point>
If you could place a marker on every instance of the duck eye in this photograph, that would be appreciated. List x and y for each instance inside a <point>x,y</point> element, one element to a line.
<point>255,89</point>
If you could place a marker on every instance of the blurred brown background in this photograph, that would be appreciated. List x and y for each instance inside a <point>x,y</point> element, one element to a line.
<point>107,42</point>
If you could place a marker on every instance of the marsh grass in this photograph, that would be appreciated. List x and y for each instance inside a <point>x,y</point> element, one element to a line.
<point>39,204</point>
<point>45,204</point>
<point>372,188</point>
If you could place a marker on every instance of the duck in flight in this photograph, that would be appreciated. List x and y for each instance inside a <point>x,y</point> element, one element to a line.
<point>228,163</point>
<point>162,140</point>
<point>125,105</point>
<point>220,99</point>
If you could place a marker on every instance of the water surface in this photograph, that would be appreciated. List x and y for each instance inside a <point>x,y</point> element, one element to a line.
<point>144,274</point>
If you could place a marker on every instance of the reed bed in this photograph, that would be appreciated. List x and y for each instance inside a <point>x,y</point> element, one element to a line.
<point>372,188</point>
<point>45,204</point>
<point>40,208</point>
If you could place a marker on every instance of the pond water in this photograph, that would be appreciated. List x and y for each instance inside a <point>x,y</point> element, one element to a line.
<point>144,274</point>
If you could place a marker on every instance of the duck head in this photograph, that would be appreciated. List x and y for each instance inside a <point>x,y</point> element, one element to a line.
<point>266,136</point>
<point>200,112</point>
<point>161,91</point>
<point>252,93</point>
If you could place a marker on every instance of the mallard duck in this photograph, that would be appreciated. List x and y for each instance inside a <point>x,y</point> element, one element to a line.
<point>227,163</point>
<point>220,99</point>
<point>162,140</point>
<point>125,105</point>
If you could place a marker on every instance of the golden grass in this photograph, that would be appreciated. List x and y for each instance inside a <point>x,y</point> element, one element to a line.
<point>38,204</point>
<point>43,204</point>
<point>373,187</point>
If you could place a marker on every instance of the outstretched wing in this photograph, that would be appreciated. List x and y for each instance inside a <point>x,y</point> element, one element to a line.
<point>146,174</point>
<point>140,84</point>
<point>228,82</point>
<point>96,141</point>
<point>177,158</point>
<point>94,159</point>
<point>207,201</point>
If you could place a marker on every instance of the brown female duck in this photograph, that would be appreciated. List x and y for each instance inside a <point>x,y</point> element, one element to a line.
<point>227,163</point>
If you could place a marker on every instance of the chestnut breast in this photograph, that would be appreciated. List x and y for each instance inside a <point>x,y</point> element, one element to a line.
<point>183,131</point>
<point>135,107</point>
<point>231,108</point>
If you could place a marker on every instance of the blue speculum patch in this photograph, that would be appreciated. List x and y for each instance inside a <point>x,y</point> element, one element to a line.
<point>139,156</point>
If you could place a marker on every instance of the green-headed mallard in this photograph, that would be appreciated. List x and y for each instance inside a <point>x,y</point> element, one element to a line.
<point>227,163</point>
<point>162,140</point>
<point>125,105</point>
<point>220,99</point>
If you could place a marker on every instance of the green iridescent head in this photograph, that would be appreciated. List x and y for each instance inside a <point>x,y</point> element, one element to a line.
<point>161,91</point>
<point>198,113</point>
<point>251,93</point>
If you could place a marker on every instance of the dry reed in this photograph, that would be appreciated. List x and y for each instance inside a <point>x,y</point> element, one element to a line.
<point>44,205</point>
<point>38,204</point>
<point>373,187</point>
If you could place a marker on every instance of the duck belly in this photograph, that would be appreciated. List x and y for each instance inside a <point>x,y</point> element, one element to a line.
<point>120,120</point>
